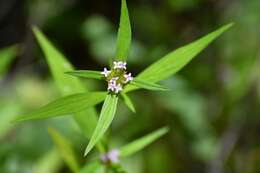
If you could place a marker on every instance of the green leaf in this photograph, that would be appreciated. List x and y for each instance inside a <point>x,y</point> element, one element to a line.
<point>128,102</point>
<point>124,34</point>
<point>65,149</point>
<point>147,85</point>
<point>106,116</point>
<point>141,143</point>
<point>58,65</point>
<point>6,57</point>
<point>92,167</point>
<point>176,60</point>
<point>65,106</point>
<point>86,74</point>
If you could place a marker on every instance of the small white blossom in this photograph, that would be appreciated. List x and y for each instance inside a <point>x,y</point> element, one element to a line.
<point>118,88</point>
<point>128,77</point>
<point>113,86</point>
<point>105,72</point>
<point>112,156</point>
<point>119,65</point>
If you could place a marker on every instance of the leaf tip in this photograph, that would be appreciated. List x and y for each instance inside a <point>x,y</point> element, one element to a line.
<point>166,89</point>
<point>165,129</point>
<point>35,29</point>
<point>88,149</point>
<point>123,3</point>
<point>132,109</point>
<point>231,24</point>
<point>86,152</point>
<point>227,26</point>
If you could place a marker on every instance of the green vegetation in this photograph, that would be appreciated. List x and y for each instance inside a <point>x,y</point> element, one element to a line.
<point>140,113</point>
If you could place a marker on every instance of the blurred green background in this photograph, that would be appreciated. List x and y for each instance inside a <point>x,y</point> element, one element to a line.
<point>212,110</point>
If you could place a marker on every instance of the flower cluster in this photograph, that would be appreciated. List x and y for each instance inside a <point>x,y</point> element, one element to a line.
<point>117,77</point>
<point>111,157</point>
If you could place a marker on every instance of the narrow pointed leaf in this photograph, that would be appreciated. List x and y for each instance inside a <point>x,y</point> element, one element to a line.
<point>106,116</point>
<point>58,65</point>
<point>147,85</point>
<point>65,149</point>
<point>128,102</point>
<point>65,106</point>
<point>176,60</point>
<point>90,74</point>
<point>124,34</point>
<point>141,143</point>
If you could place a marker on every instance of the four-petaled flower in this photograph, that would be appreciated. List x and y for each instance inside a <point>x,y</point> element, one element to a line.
<point>106,72</point>
<point>113,86</point>
<point>119,65</point>
<point>128,77</point>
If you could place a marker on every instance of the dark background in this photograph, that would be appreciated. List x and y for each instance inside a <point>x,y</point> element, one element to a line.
<point>213,109</point>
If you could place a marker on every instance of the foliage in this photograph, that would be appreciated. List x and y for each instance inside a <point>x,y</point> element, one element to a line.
<point>204,101</point>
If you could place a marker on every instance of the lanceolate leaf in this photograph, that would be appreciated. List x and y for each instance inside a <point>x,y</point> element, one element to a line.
<point>141,143</point>
<point>106,116</point>
<point>65,106</point>
<point>58,65</point>
<point>176,60</point>
<point>124,34</point>
<point>128,102</point>
<point>65,149</point>
<point>86,74</point>
<point>147,85</point>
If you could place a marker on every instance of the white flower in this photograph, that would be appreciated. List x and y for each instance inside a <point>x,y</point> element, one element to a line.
<point>106,72</point>
<point>128,77</point>
<point>119,65</point>
<point>118,88</point>
<point>112,156</point>
<point>113,86</point>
